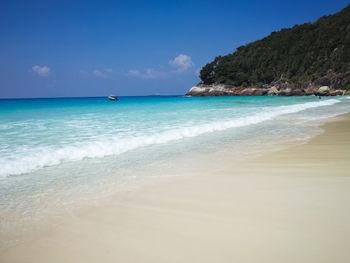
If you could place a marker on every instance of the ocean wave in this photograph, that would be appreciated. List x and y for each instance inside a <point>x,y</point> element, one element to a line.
<point>43,157</point>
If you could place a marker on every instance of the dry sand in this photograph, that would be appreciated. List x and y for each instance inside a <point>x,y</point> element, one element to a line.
<point>288,206</point>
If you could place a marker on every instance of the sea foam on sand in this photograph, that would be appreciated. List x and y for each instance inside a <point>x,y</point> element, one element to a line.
<point>288,206</point>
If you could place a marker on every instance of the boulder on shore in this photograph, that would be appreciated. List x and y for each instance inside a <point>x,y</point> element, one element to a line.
<point>248,92</point>
<point>211,90</point>
<point>336,92</point>
<point>297,92</point>
<point>273,91</point>
<point>253,92</point>
<point>323,91</point>
<point>311,90</point>
<point>285,92</point>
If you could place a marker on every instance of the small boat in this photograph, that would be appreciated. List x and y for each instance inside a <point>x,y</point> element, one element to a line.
<point>113,97</point>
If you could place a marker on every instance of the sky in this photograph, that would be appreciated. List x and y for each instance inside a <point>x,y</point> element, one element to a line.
<point>130,48</point>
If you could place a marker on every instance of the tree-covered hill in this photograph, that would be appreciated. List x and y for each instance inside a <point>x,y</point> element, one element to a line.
<point>299,54</point>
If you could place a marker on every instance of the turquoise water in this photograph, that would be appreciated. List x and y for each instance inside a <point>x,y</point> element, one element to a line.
<point>52,148</point>
<point>36,133</point>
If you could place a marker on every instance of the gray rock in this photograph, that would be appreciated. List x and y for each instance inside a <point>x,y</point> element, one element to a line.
<point>310,90</point>
<point>273,91</point>
<point>335,87</point>
<point>336,93</point>
<point>254,92</point>
<point>323,91</point>
<point>297,92</point>
<point>248,92</point>
<point>285,92</point>
<point>210,90</point>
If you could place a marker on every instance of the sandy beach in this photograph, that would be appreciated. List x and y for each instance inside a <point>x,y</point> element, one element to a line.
<point>286,206</point>
<point>174,132</point>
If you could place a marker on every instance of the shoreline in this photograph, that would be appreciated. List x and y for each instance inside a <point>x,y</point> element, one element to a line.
<point>285,206</point>
<point>277,88</point>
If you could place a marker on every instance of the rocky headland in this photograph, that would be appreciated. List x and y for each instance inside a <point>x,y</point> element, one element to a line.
<point>325,86</point>
<point>308,59</point>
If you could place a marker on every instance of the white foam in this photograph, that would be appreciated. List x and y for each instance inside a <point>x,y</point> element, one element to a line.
<point>116,145</point>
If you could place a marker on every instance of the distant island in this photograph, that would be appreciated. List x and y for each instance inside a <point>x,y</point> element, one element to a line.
<point>308,59</point>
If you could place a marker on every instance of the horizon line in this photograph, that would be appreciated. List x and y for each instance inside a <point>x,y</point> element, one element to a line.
<point>76,97</point>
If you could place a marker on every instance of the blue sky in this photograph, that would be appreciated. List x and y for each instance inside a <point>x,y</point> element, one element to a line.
<point>94,48</point>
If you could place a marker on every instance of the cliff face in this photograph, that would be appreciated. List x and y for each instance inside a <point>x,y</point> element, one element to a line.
<point>296,61</point>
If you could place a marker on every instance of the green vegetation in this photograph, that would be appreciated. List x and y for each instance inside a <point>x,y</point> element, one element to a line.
<point>299,54</point>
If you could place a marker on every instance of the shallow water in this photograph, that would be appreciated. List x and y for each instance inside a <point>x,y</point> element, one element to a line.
<point>54,152</point>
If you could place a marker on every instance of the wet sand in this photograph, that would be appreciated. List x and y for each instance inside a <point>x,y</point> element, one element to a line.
<point>287,206</point>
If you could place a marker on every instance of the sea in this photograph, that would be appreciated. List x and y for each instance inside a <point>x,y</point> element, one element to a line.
<point>56,153</point>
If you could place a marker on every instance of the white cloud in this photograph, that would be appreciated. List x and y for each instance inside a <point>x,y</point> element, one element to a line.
<point>103,73</point>
<point>41,71</point>
<point>181,62</point>
<point>99,73</point>
<point>134,73</point>
<point>146,74</point>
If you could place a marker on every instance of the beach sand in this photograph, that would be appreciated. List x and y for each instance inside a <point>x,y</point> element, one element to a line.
<point>287,206</point>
